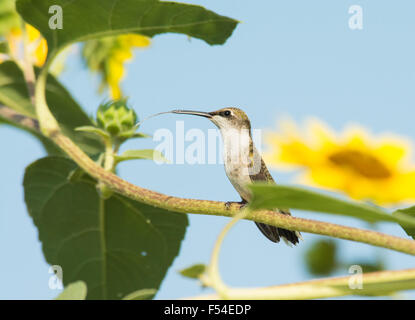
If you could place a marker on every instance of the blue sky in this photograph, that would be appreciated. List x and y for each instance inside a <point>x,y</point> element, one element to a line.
<point>296,58</point>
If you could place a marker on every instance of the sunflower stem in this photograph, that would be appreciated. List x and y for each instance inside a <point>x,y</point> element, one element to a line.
<point>28,71</point>
<point>212,277</point>
<point>374,283</point>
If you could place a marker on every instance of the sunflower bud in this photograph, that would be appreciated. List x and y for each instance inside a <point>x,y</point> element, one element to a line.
<point>117,118</point>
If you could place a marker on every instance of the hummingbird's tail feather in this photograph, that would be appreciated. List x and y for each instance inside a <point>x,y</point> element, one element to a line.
<point>274,233</point>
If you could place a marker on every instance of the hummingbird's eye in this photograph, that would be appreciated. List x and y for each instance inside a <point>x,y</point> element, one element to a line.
<point>227,113</point>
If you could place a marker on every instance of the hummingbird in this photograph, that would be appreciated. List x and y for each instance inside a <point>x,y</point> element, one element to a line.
<point>243,163</point>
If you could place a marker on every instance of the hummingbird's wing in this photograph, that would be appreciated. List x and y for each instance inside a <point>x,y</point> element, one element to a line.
<point>274,233</point>
<point>263,174</point>
<point>271,232</point>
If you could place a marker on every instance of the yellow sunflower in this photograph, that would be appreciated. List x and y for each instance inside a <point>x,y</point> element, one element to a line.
<point>376,169</point>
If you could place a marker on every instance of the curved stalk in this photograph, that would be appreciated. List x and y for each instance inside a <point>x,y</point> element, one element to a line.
<point>374,283</point>
<point>212,277</point>
<point>47,122</point>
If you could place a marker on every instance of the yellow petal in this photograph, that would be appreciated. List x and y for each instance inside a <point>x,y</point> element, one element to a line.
<point>32,33</point>
<point>41,53</point>
<point>393,150</point>
<point>114,76</point>
<point>319,134</point>
<point>135,40</point>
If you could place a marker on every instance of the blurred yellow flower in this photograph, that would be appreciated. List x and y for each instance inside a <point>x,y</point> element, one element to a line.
<point>376,169</point>
<point>37,46</point>
<point>108,57</point>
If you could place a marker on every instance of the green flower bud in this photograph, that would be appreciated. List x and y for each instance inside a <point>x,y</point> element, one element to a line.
<point>117,118</point>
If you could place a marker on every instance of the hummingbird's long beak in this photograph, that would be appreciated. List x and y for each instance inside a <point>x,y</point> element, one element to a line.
<point>194,113</point>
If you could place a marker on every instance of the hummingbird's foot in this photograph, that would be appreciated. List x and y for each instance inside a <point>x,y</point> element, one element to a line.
<point>242,204</point>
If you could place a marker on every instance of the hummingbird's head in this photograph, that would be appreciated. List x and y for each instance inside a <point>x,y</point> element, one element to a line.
<point>226,118</point>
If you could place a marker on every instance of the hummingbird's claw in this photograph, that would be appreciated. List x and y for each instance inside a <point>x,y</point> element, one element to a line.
<point>242,204</point>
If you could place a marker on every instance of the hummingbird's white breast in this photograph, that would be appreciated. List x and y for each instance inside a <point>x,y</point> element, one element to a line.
<point>237,159</point>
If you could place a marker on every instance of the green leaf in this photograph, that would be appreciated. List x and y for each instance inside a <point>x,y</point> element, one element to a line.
<point>117,246</point>
<point>91,129</point>
<point>4,47</point>
<point>369,266</point>
<point>321,257</point>
<point>266,196</point>
<point>141,135</point>
<point>13,89</point>
<point>84,20</point>
<point>14,94</point>
<point>402,215</point>
<point>74,291</point>
<point>142,294</point>
<point>193,272</point>
<point>148,154</point>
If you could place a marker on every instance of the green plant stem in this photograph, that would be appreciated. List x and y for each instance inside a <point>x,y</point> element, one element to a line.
<point>374,283</point>
<point>378,283</point>
<point>212,277</point>
<point>103,246</point>
<point>109,156</point>
<point>109,166</point>
<point>28,71</point>
<point>48,124</point>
